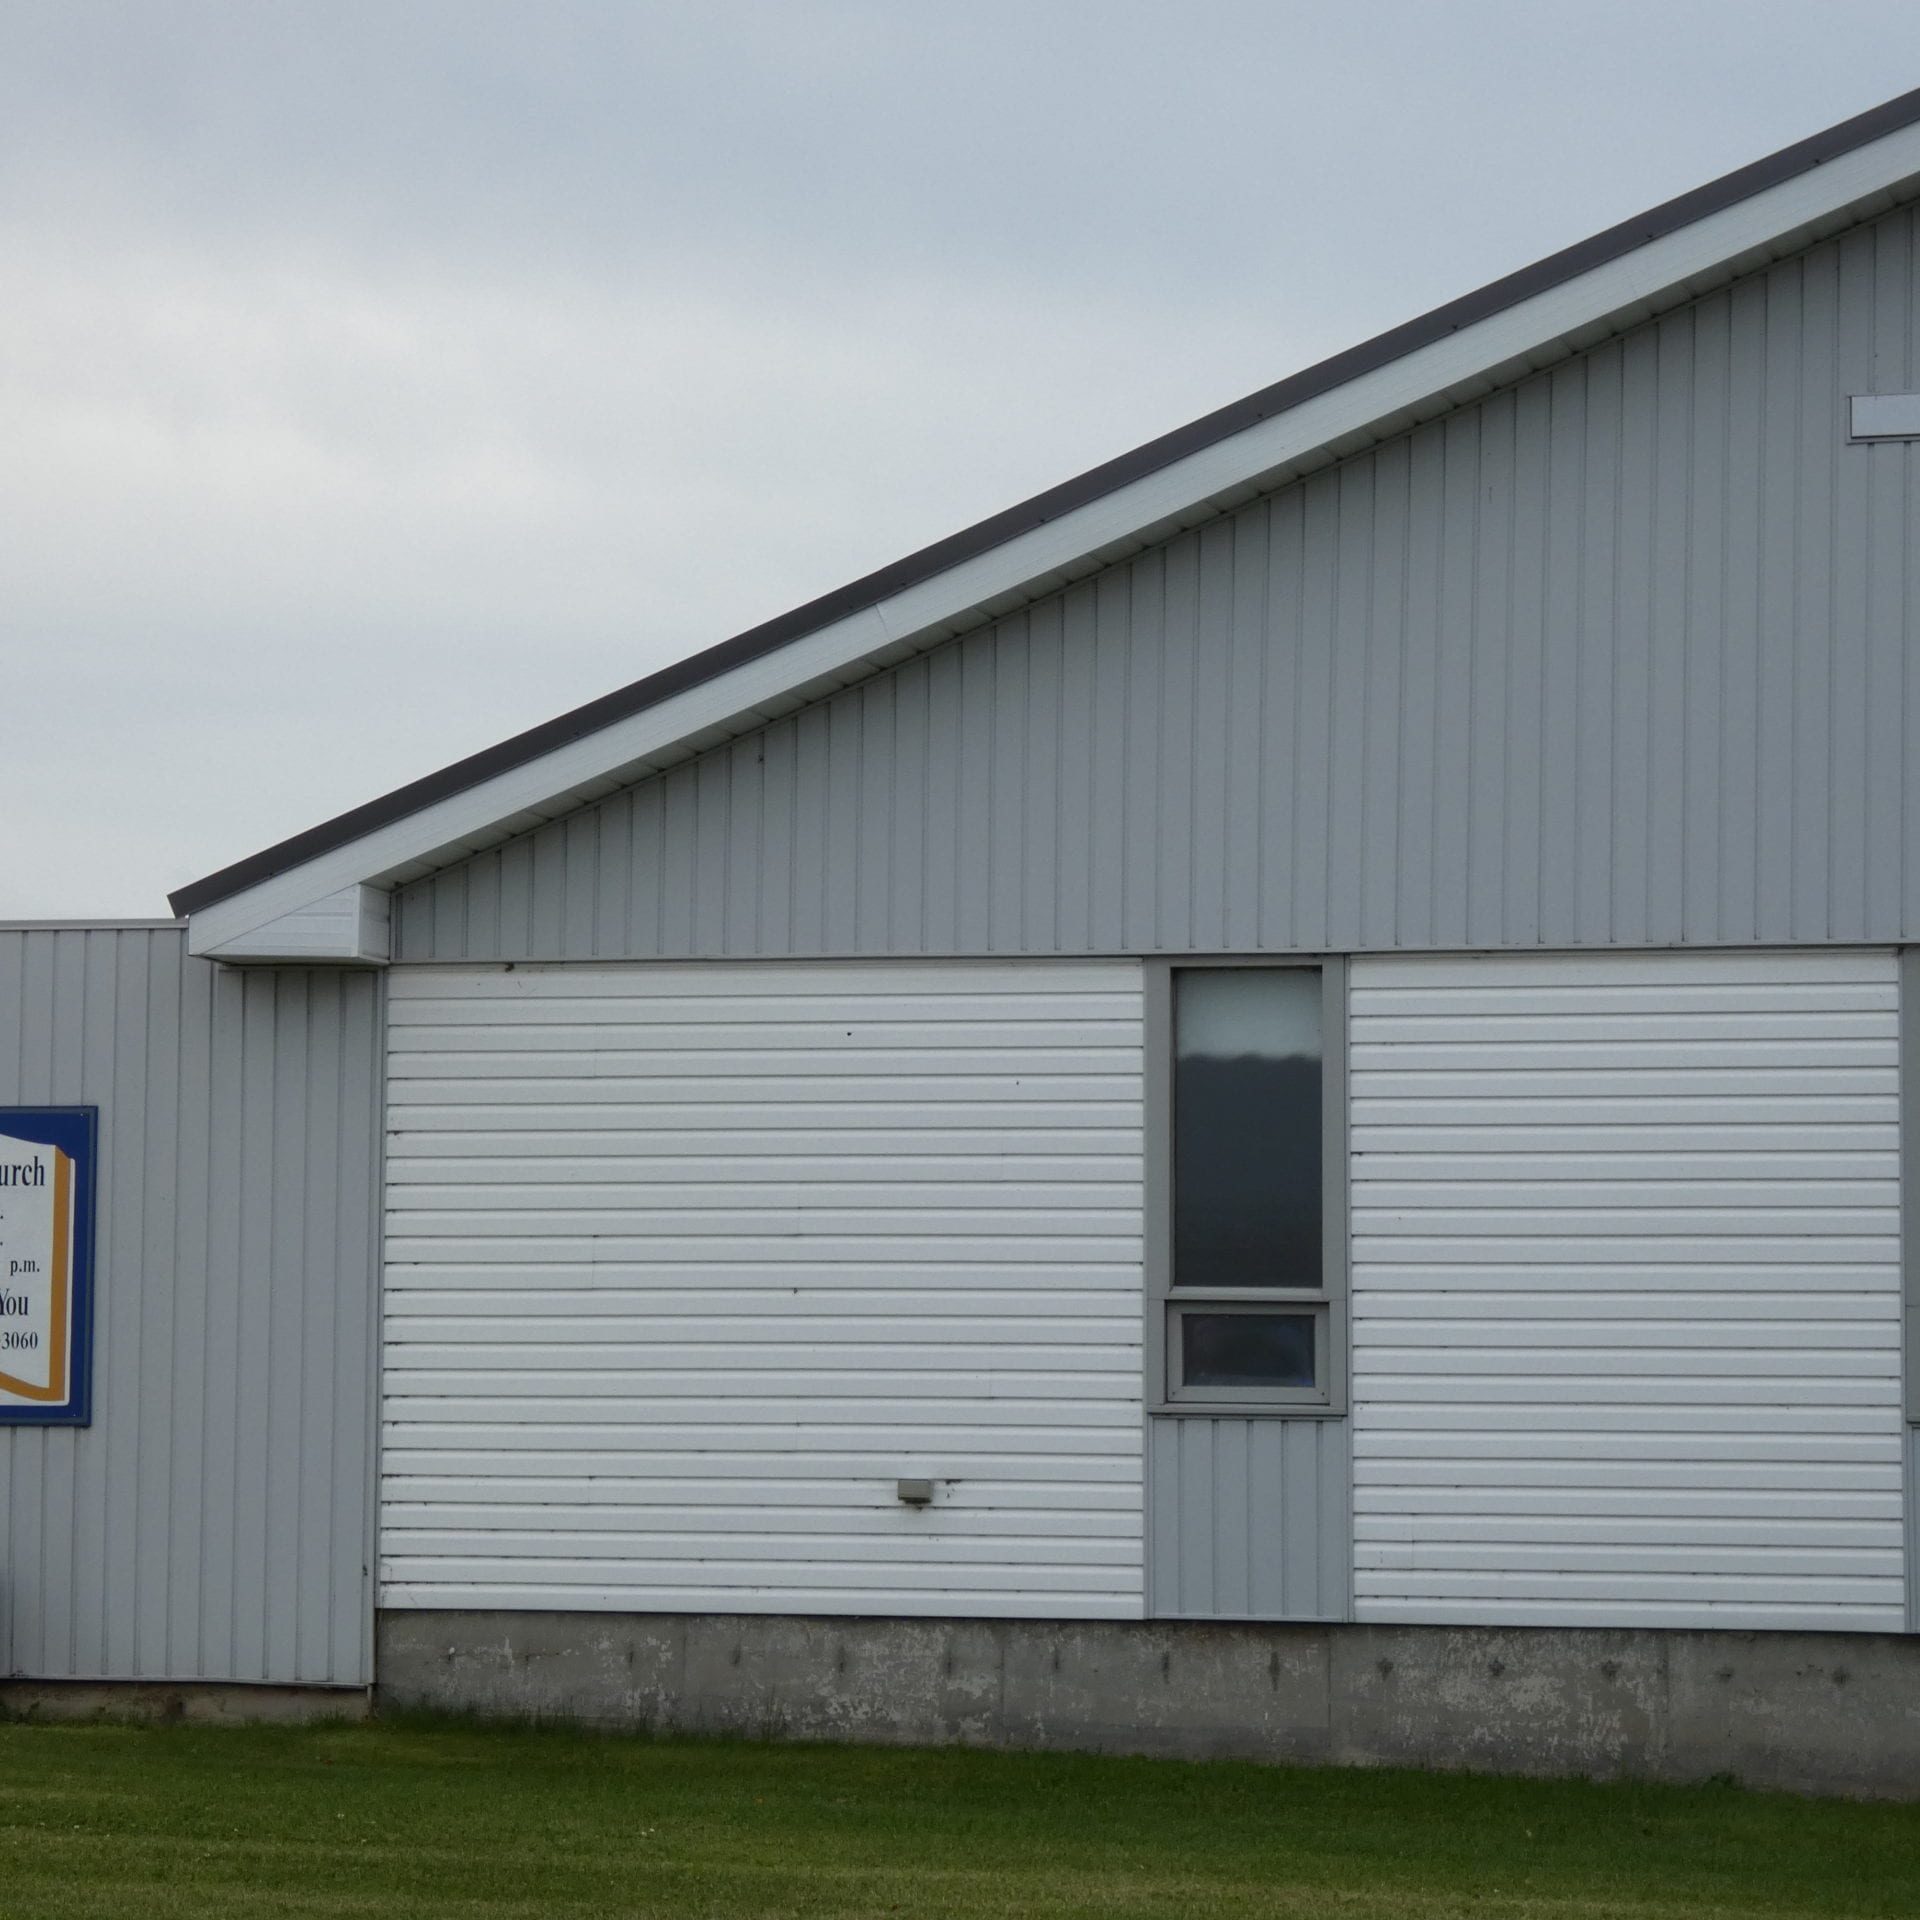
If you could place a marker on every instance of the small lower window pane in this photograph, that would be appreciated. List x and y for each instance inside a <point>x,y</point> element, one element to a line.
<point>1247,1349</point>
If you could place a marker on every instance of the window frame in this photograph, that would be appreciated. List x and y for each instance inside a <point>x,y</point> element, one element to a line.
<point>1166,1300</point>
<point>1313,1399</point>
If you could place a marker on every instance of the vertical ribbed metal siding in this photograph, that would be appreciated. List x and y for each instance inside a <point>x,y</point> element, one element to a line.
<point>1616,656</point>
<point>212,1523</point>
<point>1626,1290</point>
<point>1249,1519</point>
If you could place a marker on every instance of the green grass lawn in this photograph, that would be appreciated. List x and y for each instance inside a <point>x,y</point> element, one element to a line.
<point>405,1819</point>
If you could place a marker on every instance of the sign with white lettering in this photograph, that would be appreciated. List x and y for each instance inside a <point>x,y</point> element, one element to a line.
<point>47,1157</point>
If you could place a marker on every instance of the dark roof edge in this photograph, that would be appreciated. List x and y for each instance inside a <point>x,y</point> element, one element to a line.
<point>1802,157</point>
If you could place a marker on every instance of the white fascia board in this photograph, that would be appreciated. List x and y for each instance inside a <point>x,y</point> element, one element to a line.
<point>347,928</point>
<point>1427,380</point>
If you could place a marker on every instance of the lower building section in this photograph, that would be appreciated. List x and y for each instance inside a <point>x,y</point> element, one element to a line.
<point>1825,1713</point>
<point>691,1268</point>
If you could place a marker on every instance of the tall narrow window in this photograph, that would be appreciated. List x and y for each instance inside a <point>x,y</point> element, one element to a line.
<point>1249,1295</point>
<point>1246,1127</point>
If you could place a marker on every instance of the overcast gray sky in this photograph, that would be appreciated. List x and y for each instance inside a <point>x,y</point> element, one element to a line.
<point>377,380</point>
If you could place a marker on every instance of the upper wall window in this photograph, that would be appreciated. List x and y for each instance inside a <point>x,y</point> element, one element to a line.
<point>1246,1127</point>
<point>1254,1270</point>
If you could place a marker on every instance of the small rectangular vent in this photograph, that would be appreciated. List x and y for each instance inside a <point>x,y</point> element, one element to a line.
<point>1885,416</point>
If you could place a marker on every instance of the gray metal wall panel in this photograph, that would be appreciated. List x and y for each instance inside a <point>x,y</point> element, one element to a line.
<point>212,1522</point>
<point>1250,1519</point>
<point>1613,657</point>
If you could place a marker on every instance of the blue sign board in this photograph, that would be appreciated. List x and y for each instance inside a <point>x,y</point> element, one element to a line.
<point>48,1164</point>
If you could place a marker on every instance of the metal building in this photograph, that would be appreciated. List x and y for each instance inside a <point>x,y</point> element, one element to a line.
<point>1264,1105</point>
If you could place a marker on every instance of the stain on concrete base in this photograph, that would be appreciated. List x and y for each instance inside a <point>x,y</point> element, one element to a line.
<point>188,1703</point>
<point>1819,1713</point>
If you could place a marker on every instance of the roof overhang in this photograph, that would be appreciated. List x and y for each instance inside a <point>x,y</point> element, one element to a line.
<point>264,907</point>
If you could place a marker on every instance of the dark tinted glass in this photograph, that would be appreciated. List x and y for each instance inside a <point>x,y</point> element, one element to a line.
<point>1246,1349</point>
<point>1246,1127</point>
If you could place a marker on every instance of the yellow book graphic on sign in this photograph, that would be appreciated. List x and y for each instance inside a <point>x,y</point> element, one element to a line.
<point>36,1270</point>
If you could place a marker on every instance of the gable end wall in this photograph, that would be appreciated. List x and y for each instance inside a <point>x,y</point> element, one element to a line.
<point>1614,657</point>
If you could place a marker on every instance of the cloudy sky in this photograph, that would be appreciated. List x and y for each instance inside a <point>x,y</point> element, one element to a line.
<point>376,380</point>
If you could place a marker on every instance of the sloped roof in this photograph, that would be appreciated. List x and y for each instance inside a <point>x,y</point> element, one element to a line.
<point>511,773</point>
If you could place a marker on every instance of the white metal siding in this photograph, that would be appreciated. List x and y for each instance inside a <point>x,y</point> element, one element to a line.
<point>686,1265</point>
<point>1626,1290</point>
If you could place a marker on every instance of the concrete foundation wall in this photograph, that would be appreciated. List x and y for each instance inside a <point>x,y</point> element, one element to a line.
<point>198,1703</point>
<point>1823,1713</point>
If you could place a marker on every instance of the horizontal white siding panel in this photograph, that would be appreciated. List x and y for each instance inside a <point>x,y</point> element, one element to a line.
<point>686,1265</point>
<point>1012,1457</point>
<point>790,1587</point>
<point>864,1596</point>
<point>744,1408</point>
<point>1718,1508</point>
<point>879,1095</point>
<point>673,1253</point>
<point>1588,1281</point>
<point>1543,1476</point>
<point>1039,1153</point>
<point>1699,1319</point>
<point>1626,1136</point>
<point>430,1182</point>
<point>696,1505</point>
<point>756,1276</point>
<point>1626,1307</point>
<point>614,1447</point>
